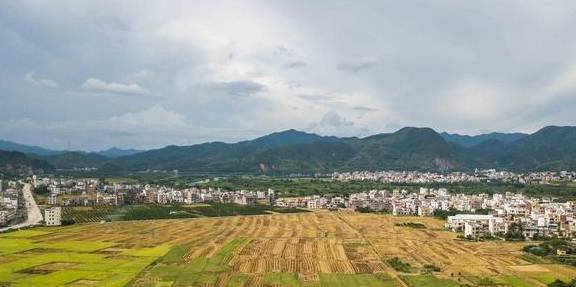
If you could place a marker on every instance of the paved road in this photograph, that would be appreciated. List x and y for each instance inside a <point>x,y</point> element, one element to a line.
<point>34,214</point>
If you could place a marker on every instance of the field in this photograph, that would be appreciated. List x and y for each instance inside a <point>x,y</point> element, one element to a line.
<point>145,212</point>
<point>300,249</point>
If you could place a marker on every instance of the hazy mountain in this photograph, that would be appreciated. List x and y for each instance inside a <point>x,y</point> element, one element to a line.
<point>295,151</point>
<point>16,163</point>
<point>408,148</point>
<point>71,160</point>
<point>116,152</point>
<point>469,141</point>
<point>12,146</point>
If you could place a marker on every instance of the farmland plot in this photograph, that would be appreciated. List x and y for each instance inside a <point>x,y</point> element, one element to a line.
<point>318,248</point>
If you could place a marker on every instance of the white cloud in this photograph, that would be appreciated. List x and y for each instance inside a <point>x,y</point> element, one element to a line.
<point>156,118</point>
<point>473,101</point>
<point>333,124</point>
<point>141,75</point>
<point>359,65</point>
<point>31,78</point>
<point>99,86</point>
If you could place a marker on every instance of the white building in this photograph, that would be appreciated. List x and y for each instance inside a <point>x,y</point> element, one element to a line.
<point>53,216</point>
<point>52,199</point>
<point>476,225</point>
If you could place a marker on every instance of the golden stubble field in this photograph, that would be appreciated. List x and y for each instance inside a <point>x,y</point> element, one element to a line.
<point>318,248</point>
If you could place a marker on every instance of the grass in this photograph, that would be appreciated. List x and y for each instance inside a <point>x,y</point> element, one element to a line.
<point>398,265</point>
<point>148,212</point>
<point>175,254</point>
<point>198,270</point>
<point>78,246</point>
<point>15,245</point>
<point>27,233</point>
<point>345,280</point>
<point>157,251</point>
<point>428,281</point>
<point>284,279</point>
<point>237,280</point>
<point>512,281</point>
<point>78,260</point>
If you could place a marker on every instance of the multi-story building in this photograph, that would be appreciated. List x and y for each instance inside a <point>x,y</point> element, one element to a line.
<point>53,216</point>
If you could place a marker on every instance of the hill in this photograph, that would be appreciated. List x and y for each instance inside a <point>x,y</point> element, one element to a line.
<point>117,152</point>
<point>27,149</point>
<point>16,163</point>
<point>469,141</point>
<point>72,160</point>
<point>294,151</point>
<point>410,148</point>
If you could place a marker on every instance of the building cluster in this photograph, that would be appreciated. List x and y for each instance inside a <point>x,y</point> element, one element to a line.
<point>485,175</point>
<point>92,192</point>
<point>11,203</point>
<point>532,217</point>
<point>529,217</point>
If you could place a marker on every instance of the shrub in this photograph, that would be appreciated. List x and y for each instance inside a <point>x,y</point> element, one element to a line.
<point>398,265</point>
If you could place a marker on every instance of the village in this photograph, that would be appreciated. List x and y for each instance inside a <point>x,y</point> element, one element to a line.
<point>476,216</point>
<point>479,175</point>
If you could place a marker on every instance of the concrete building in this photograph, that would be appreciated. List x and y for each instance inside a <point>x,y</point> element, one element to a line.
<point>52,199</point>
<point>53,216</point>
<point>476,225</point>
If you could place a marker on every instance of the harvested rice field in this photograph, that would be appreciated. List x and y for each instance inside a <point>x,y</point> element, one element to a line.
<point>302,249</point>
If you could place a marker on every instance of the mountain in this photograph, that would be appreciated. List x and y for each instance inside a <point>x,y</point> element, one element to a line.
<point>116,152</point>
<point>552,147</point>
<point>285,138</point>
<point>469,141</point>
<point>410,148</point>
<point>17,163</point>
<point>72,160</point>
<point>244,156</point>
<point>294,151</point>
<point>12,146</point>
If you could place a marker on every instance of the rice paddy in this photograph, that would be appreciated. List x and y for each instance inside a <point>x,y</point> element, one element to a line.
<point>303,249</point>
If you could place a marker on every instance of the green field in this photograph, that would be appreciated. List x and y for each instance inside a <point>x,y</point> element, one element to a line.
<point>147,212</point>
<point>428,281</point>
<point>311,249</point>
<point>26,260</point>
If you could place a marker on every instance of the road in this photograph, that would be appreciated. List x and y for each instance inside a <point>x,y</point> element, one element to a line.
<point>34,213</point>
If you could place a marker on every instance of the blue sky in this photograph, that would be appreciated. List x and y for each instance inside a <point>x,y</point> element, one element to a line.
<point>95,74</point>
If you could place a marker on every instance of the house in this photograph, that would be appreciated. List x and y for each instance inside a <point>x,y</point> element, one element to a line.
<point>53,216</point>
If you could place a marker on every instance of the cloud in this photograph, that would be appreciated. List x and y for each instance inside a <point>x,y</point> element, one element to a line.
<point>99,86</point>
<point>364,109</point>
<point>282,50</point>
<point>333,123</point>
<point>156,118</point>
<point>141,75</point>
<point>236,88</point>
<point>30,78</point>
<point>316,99</point>
<point>295,65</point>
<point>358,65</point>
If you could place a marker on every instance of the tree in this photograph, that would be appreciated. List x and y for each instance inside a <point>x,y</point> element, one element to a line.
<point>515,231</point>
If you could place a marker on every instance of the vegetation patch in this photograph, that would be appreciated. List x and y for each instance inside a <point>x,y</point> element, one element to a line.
<point>428,281</point>
<point>416,225</point>
<point>399,265</point>
<point>175,254</point>
<point>558,250</point>
<point>148,212</point>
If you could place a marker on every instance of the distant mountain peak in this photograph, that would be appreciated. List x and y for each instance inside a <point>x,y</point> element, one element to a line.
<point>115,152</point>
<point>470,141</point>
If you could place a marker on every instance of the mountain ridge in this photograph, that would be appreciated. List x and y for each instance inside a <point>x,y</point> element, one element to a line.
<point>410,148</point>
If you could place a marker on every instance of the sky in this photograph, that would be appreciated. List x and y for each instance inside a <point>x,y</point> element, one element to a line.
<point>142,74</point>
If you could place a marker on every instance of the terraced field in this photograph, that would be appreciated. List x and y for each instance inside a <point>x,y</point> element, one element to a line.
<point>304,249</point>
